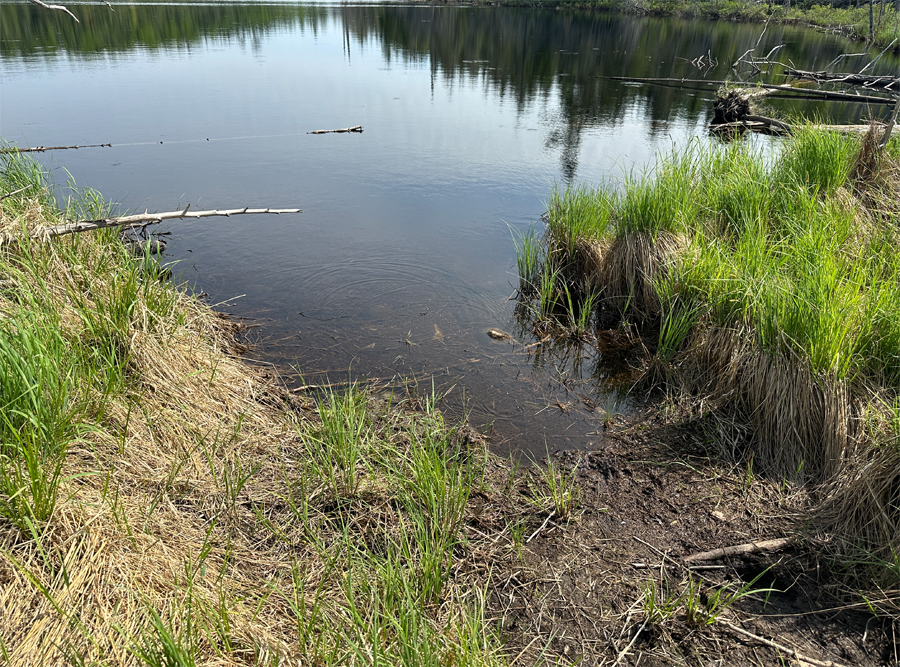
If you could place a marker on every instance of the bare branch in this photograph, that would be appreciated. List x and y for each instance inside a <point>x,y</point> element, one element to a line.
<point>885,137</point>
<point>148,218</point>
<point>841,57</point>
<point>41,149</point>
<point>60,8</point>
<point>741,549</point>
<point>878,57</point>
<point>14,192</point>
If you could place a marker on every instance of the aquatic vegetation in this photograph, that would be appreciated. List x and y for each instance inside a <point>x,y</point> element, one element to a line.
<point>767,286</point>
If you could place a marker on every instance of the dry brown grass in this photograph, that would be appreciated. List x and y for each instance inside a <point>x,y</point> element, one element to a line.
<point>629,269</point>
<point>146,493</point>
<point>800,426</point>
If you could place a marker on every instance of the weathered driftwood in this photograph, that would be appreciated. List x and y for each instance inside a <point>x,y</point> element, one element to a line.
<point>886,135</point>
<point>891,83</point>
<point>59,8</point>
<point>41,149</point>
<point>740,550</point>
<point>148,218</point>
<point>825,95</point>
<point>355,128</point>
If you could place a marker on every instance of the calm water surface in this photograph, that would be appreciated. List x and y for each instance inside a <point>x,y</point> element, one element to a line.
<point>402,258</point>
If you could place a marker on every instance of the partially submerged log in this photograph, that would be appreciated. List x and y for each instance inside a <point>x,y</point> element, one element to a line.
<point>762,89</point>
<point>891,83</point>
<point>41,149</point>
<point>732,112</point>
<point>355,128</point>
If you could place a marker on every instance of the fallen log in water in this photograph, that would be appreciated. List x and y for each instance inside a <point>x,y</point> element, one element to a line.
<point>891,83</point>
<point>147,218</point>
<point>41,149</point>
<point>760,88</point>
<point>355,128</point>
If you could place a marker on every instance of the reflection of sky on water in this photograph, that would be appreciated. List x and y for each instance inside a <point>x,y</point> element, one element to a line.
<point>403,256</point>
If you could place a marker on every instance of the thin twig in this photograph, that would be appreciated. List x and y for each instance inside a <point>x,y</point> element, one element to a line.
<point>14,192</point>
<point>631,643</point>
<point>543,525</point>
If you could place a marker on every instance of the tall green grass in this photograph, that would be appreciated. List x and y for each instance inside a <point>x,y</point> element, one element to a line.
<point>63,351</point>
<point>769,286</point>
<point>773,246</point>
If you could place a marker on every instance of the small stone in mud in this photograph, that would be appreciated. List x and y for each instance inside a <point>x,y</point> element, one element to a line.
<point>496,334</point>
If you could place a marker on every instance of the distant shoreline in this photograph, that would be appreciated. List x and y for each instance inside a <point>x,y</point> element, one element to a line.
<point>852,23</point>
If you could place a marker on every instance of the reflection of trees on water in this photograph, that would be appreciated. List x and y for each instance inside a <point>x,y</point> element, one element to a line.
<point>557,58</point>
<point>30,31</point>
<point>528,54</point>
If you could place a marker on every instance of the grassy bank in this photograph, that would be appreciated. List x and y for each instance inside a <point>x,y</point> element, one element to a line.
<point>164,503</point>
<point>766,289</point>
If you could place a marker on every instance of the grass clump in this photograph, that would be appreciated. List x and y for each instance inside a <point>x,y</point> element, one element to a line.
<point>164,503</point>
<point>767,287</point>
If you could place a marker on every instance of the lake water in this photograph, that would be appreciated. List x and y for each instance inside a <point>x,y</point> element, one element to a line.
<point>403,257</point>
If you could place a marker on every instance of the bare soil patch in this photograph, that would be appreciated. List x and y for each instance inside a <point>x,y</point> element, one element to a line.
<point>609,585</point>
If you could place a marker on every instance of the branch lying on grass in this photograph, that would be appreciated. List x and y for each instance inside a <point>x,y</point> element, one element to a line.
<point>740,549</point>
<point>783,649</point>
<point>14,192</point>
<point>355,128</point>
<point>60,8</point>
<point>148,218</point>
<point>41,149</point>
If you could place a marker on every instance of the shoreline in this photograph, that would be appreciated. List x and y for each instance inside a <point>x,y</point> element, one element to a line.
<point>185,509</point>
<point>850,23</point>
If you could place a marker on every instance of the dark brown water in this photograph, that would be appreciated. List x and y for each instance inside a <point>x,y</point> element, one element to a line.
<point>403,257</point>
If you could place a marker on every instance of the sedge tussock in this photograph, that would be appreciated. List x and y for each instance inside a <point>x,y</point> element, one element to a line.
<point>765,287</point>
<point>631,268</point>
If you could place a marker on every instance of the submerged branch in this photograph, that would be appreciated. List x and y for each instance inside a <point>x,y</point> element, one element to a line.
<point>148,218</point>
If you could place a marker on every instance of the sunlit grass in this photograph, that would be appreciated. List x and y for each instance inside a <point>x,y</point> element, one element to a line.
<point>768,287</point>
